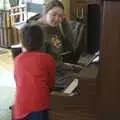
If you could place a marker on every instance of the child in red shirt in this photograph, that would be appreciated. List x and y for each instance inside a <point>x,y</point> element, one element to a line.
<point>34,73</point>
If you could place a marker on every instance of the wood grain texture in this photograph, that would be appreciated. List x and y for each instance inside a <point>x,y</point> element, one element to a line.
<point>109,73</point>
<point>82,107</point>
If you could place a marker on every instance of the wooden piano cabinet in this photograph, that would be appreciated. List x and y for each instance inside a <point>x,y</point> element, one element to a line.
<point>108,84</point>
<point>81,107</point>
<point>103,103</point>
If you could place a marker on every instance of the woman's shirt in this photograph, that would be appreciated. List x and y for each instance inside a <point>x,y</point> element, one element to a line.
<point>58,52</point>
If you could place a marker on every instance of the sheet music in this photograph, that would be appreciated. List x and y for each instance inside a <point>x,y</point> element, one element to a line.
<point>71,87</point>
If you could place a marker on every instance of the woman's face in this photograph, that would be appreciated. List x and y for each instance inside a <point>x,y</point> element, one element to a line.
<point>54,16</point>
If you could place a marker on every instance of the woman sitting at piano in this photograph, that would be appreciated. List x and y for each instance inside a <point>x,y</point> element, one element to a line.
<point>58,40</point>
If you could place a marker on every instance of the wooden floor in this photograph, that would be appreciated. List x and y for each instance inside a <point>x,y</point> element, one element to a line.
<point>7,84</point>
<point>6,62</point>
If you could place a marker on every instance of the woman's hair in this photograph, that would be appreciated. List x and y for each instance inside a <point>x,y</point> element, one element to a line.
<point>32,37</point>
<point>53,3</point>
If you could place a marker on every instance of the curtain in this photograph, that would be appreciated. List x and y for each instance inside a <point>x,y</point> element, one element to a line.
<point>4,5</point>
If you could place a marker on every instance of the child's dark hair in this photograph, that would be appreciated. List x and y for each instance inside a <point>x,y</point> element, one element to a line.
<point>32,37</point>
<point>52,4</point>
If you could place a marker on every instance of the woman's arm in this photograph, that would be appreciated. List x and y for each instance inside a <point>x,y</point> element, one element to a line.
<point>67,33</point>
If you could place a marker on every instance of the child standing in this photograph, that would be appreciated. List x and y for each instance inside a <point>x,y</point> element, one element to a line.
<point>34,73</point>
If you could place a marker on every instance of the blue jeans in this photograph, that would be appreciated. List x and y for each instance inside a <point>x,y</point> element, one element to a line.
<point>40,115</point>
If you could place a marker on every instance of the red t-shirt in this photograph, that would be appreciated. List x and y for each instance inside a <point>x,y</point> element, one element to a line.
<point>35,76</point>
